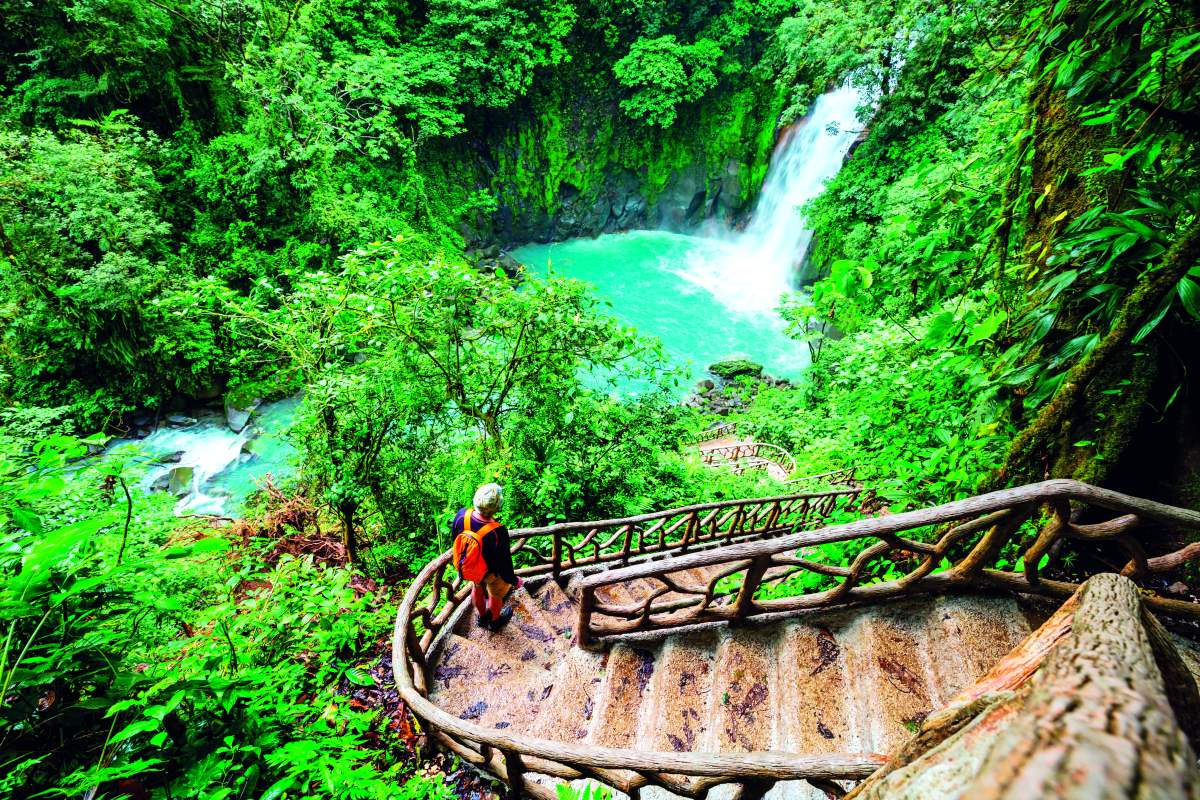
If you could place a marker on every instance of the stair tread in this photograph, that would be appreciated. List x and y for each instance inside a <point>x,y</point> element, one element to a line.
<point>627,676</point>
<point>568,711</point>
<point>527,637</point>
<point>815,713</point>
<point>967,636</point>
<point>677,715</point>
<point>556,607</point>
<point>889,675</point>
<point>488,686</point>
<point>743,695</point>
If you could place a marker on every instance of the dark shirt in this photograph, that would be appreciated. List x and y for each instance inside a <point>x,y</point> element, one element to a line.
<point>495,547</point>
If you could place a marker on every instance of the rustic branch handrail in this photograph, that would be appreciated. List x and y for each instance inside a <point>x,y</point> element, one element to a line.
<point>429,606</point>
<point>846,476</point>
<point>733,455</point>
<point>713,433</point>
<point>995,517</point>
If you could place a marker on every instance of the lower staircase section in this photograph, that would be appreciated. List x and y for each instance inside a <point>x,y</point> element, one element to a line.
<point>857,680</point>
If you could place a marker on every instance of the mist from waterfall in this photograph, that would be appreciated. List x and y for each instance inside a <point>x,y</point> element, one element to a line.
<point>758,265</point>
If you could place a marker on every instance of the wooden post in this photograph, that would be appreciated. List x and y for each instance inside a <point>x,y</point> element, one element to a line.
<point>515,767</point>
<point>754,573</point>
<point>556,555</point>
<point>587,601</point>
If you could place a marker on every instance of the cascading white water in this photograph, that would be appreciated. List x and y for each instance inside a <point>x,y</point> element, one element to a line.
<point>206,464</point>
<point>759,264</point>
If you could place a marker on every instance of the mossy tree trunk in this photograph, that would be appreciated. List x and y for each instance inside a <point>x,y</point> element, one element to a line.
<point>1086,425</point>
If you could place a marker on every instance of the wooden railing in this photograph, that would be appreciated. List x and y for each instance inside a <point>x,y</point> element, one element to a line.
<point>847,476</point>
<point>749,455</point>
<point>714,433</point>
<point>437,595</point>
<point>556,549</point>
<point>968,534</point>
<point>951,545</point>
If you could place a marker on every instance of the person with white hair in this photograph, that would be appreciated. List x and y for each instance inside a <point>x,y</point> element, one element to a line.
<point>482,555</point>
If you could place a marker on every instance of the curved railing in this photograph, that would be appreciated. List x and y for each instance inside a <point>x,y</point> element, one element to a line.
<point>968,534</point>
<point>430,605</point>
<point>928,557</point>
<point>749,455</point>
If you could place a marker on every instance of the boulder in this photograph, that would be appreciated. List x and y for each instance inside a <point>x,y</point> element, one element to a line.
<point>179,480</point>
<point>735,368</point>
<point>705,386</point>
<point>181,420</point>
<point>237,417</point>
<point>171,458</point>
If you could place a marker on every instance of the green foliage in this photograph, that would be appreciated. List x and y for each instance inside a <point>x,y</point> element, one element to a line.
<point>920,420</point>
<point>661,74</point>
<point>82,248</point>
<point>183,670</point>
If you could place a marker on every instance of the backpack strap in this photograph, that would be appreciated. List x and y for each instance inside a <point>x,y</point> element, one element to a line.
<point>478,535</point>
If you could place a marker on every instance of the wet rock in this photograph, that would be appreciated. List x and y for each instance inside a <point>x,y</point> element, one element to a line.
<point>512,268</point>
<point>238,417</point>
<point>734,368</point>
<point>171,458</point>
<point>179,480</point>
<point>181,420</point>
<point>705,386</point>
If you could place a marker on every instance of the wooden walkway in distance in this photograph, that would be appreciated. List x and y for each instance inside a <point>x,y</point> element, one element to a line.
<point>725,449</point>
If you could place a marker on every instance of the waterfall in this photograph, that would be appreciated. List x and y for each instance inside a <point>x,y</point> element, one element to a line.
<point>758,265</point>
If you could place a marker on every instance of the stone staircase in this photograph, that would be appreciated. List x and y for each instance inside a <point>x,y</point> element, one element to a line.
<point>854,680</point>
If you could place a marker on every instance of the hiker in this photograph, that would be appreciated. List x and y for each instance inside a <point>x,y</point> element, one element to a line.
<point>481,556</point>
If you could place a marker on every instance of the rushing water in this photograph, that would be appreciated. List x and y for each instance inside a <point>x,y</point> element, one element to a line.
<point>209,467</point>
<point>709,298</point>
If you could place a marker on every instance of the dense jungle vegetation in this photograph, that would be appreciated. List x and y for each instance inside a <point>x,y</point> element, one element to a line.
<point>206,200</point>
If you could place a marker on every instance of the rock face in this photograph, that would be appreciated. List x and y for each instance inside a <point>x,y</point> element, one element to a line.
<point>622,203</point>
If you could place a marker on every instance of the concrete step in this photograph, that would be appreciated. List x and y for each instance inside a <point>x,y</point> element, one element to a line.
<point>627,675</point>
<point>556,608</point>
<point>744,694</point>
<point>816,711</point>
<point>967,636</point>
<point>489,687</point>
<point>887,661</point>
<point>678,709</point>
<point>528,637</point>
<point>568,712</point>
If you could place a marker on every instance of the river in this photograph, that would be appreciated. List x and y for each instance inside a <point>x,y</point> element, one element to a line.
<point>707,298</point>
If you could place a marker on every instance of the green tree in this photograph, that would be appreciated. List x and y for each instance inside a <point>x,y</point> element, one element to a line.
<point>661,74</point>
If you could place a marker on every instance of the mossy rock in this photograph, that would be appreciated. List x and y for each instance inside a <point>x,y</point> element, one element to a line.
<point>735,368</point>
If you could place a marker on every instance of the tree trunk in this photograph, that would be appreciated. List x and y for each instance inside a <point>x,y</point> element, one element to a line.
<point>1037,440</point>
<point>1095,723</point>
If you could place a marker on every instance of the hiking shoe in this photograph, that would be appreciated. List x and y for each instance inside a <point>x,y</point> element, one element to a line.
<point>484,620</point>
<point>505,616</point>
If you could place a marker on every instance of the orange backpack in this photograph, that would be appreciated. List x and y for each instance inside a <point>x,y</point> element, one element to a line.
<point>468,549</point>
